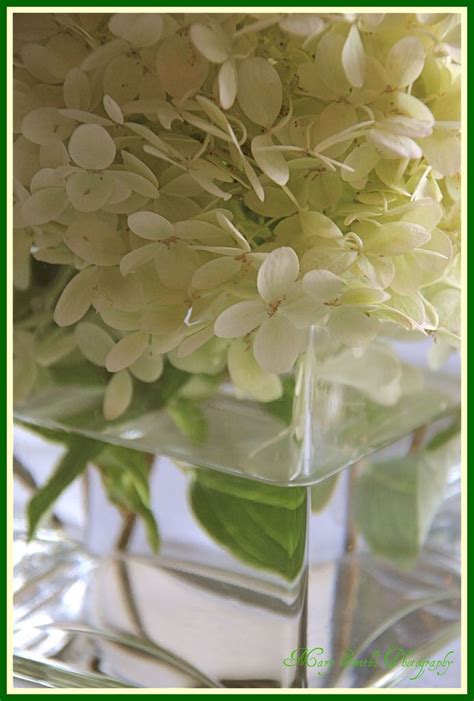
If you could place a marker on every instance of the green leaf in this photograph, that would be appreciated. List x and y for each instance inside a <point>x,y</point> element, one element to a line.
<point>395,501</point>
<point>189,418</point>
<point>322,492</point>
<point>75,371</point>
<point>80,452</point>
<point>282,408</point>
<point>125,474</point>
<point>260,524</point>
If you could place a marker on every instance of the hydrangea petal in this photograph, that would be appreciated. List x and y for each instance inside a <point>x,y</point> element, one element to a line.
<point>277,274</point>
<point>44,205</point>
<point>149,366</point>
<point>239,319</point>
<point>322,286</point>
<point>260,92</point>
<point>91,146</point>
<point>215,272</point>
<point>76,297</point>
<point>353,58</point>
<point>126,351</point>
<point>277,344</point>
<point>94,342</point>
<point>227,80</point>
<point>150,225</point>
<point>118,395</point>
<point>404,62</point>
<point>249,377</point>
<point>353,327</point>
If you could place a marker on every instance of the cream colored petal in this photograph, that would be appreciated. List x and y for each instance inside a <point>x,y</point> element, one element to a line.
<point>271,162</point>
<point>322,286</point>
<point>215,272</point>
<point>277,274</point>
<point>239,319</point>
<point>91,146</point>
<point>118,396</point>
<point>249,377</point>
<point>260,91</point>
<point>149,366</point>
<point>353,58</point>
<point>150,225</point>
<point>94,342</point>
<point>76,297</point>
<point>126,351</point>
<point>135,259</point>
<point>352,327</point>
<point>277,344</point>
<point>227,82</point>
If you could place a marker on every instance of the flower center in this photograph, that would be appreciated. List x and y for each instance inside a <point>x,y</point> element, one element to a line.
<point>273,307</point>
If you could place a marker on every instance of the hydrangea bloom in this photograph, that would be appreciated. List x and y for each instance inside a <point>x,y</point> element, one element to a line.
<point>214,185</point>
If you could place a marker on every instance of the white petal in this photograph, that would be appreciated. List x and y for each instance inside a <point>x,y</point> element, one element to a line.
<point>322,286</point>
<point>378,270</point>
<point>113,109</point>
<point>272,163</point>
<point>302,310</point>
<point>123,293</point>
<point>135,182</point>
<point>227,82</point>
<point>260,92</point>
<point>134,164</point>
<point>181,68</point>
<point>443,153</point>
<point>329,63</point>
<point>88,191</point>
<point>76,297</point>
<point>239,319</point>
<point>139,29</point>
<point>317,224</point>
<point>94,342</point>
<point>396,238</point>
<point>77,90</point>
<point>211,45</point>
<point>277,274</point>
<point>151,226</point>
<point>135,259</point>
<point>353,58</point>
<point>118,395</point>
<point>394,145</point>
<point>44,205</point>
<point>192,343</point>
<point>122,78</point>
<point>302,25</point>
<point>104,54</point>
<point>126,351</point>
<point>362,159</point>
<point>352,327</point>
<point>176,265</point>
<point>215,272</point>
<point>249,377</point>
<point>277,344</point>
<point>91,146</point>
<point>94,239</point>
<point>46,126</point>
<point>149,366</point>
<point>405,62</point>
<point>365,296</point>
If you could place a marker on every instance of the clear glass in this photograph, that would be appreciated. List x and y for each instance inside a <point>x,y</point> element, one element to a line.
<point>306,582</point>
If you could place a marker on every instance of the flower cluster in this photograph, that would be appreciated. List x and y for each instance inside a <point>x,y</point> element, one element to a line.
<point>210,186</point>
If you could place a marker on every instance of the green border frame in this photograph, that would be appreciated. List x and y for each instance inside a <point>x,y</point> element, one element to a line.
<point>5,301</point>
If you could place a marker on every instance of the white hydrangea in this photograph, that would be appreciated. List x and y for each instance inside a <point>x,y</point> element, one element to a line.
<point>214,185</point>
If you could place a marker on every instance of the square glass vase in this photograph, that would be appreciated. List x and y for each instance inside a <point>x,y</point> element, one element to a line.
<point>308,542</point>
